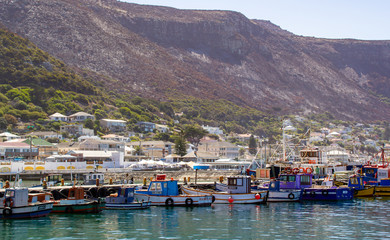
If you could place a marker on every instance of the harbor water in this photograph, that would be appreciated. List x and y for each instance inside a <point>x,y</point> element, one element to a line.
<point>356,219</point>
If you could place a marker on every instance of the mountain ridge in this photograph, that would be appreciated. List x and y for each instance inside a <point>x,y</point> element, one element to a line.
<point>154,51</point>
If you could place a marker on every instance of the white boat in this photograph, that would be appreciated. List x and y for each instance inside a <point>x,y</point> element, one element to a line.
<point>237,190</point>
<point>163,192</point>
<point>17,204</point>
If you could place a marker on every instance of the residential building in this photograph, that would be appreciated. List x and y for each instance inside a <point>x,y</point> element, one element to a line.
<point>6,136</point>
<point>58,117</point>
<point>113,125</point>
<point>146,126</point>
<point>213,130</point>
<point>74,129</point>
<point>114,137</point>
<point>45,149</point>
<point>154,149</point>
<point>17,150</point>
<point>162,128</point>
<point>220,149</point>
<point>45,135</point>
<point>80,117</point>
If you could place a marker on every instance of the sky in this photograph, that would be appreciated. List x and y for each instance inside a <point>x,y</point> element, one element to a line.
<point>358,19</point>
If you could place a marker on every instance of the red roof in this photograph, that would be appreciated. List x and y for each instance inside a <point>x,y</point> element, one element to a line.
<point>14,144</point>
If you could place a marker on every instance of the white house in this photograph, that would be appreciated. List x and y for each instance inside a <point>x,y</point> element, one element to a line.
<point>213,130</point>
<point>113,124</point>
<point>80,117</point>
<point>58,117</point>
<point>6,136</point>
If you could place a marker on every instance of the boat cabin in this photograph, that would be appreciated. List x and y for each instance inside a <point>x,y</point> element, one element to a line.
<point>356,182</point>
<point>236,184</point>
<point>295,181</point>
<point>17,197</point>
<point>76,193</point>
<point>92,178</point>
<point>161,187</point>
<point>124,195</point>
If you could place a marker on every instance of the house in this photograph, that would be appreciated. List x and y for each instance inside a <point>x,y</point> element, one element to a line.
<point>146,126</point>
<point>154,149</point>
<point>45,149</point>
<point>6,136</point>
<point>17,150</point>
<point>213,130</point>
<point>114,137</point>
<point>80,117</point>
<point>162,128</point>
<point>45,134</point>
<point>220,149</point>
<point>113,125</point>
<point>58,117</point>
<point>74,129</point>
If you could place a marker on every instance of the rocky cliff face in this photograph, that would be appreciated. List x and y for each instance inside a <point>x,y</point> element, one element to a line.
<point>163,52</point>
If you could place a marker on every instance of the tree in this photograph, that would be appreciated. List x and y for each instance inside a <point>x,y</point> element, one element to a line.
<point>252,145</point>
<point>3,123</point>
<point>180,145</point>
<point>89,124</point>
<point>386,133</point>
<point>194,133</point>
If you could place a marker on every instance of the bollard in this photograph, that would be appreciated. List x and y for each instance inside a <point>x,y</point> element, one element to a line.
<point>97,181</point>
<point>62,182</point>
<point>221,179</point>
<point>144,181</point>
<point>44,184</point>
<point>6,184</point>
<point>110,181</point>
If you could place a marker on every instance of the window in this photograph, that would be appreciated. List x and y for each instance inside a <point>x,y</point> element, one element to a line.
<point>283,178</point>
<point>305,180</point>
<point>232,181</point>
<point>291,178</point>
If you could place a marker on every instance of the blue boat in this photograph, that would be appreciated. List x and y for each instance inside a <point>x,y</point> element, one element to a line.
<point>327,192</point>
<point>124,199</point>
<point>276,193</point>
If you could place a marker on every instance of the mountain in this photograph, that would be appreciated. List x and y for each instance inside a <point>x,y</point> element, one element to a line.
<point>163,53</point>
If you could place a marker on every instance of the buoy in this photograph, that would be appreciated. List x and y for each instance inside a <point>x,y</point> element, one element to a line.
<point>221,179</point>
<point>110,181</point>
<point>6,184</point>
<point>171,178</point>
<point>230,200</point>
<point>144,181</point>
<point>257,196</point>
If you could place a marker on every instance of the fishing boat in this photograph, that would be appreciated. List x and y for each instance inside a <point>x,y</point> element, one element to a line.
<point>76,203</point>
<point>278,191</point>
<point>124,199</point>
<point>17,204</point>
<point>356,183</point>
<point>237,190</point>
<point>327,192</point>
<point>163,192</point>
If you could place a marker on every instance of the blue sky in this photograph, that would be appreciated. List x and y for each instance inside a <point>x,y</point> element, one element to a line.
<point>359,19</point>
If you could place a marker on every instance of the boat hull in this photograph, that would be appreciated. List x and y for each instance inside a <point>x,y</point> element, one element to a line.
<point>128,206</point>
<point>231,198</point>
<point>31,211</point>
<point>368,192</point>
<point>284,196</point>
<point>327,194</point>
<point>181,200</point>
<point>88,207</point>
<point>382,191</point>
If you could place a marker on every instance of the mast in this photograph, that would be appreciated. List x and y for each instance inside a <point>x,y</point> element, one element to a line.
<point>284,142</point>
